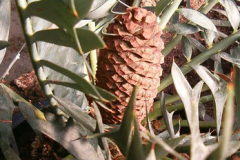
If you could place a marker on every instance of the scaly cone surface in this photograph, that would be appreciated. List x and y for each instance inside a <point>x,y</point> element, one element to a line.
<point>132,57</point>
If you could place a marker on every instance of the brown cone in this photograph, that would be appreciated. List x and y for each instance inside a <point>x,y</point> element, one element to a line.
<point>133,57</point>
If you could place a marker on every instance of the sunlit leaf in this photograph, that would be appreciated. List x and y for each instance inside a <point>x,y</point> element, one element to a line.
<point>217,63</point>
<point>5,9</point>
<point>184,90</point>
<point>223,12</point>
<point>167,117</point>
<point>209,36</point>
<point>227,147</point>
<point>232,12</point>
<point>198,18</point>
<point>101,9</point>
<point>218,89</point>
<point>230,58</point>
<point>198,149</point>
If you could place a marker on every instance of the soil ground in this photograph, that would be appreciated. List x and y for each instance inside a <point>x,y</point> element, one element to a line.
<point>17,41</point>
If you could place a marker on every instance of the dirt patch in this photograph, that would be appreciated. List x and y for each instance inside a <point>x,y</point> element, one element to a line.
<point>16,40</point>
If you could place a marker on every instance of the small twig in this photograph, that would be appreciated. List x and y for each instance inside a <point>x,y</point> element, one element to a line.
<point>12,63</point>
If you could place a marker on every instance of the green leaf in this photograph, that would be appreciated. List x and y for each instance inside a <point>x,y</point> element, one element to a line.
<point>58,12</point>
<point>198,18</point>
<point>218,89</point>
<point>59,37</point>
<point>182,28</point>
<point>83,7</point>
<point>5,9</point>
<point>4,44</point>
<point>186,48</point>
<point>161,6</point>
<point>232,12</point>
<point>123,136</point>
<point>136,149</point>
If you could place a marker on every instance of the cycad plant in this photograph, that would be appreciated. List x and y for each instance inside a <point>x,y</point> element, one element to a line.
<point>61,42</point>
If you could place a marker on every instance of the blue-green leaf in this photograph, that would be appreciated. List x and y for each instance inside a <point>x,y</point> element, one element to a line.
<point>161,5</point>
<point>186,48</point>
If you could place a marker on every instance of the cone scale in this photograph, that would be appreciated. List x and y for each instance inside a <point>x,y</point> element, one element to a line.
<point>132,57</point>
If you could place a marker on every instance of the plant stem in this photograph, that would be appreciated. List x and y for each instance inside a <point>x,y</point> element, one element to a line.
<point>34,55</point>
<point>136,3</point>
<point>175,98</point>
<point>170,45</point>
<point>202,124</point>
<point>93,55</point>
<point>157,111</point>
<point>169,11</point>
